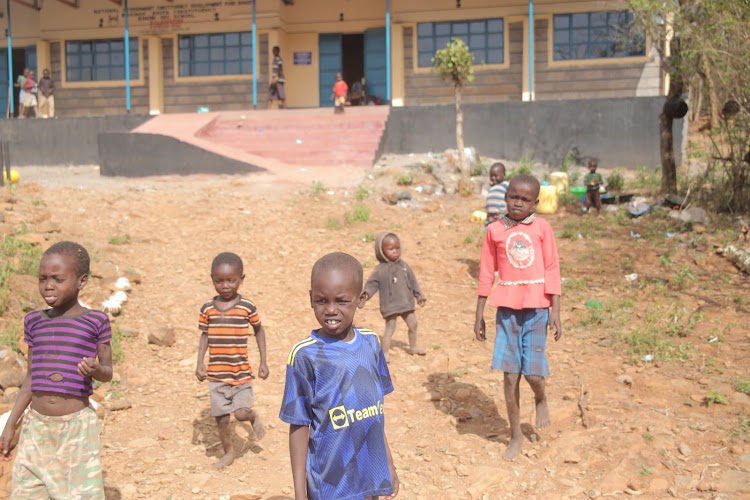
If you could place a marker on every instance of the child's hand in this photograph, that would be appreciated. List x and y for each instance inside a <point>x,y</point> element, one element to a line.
<point>555,323</point>
<point>263,371</point>
<point>479,327</point>
<point>422,302</point>
<point>88,367</point>
<point>200,372</point>
<point>6,438</point>
<point>396,485</point>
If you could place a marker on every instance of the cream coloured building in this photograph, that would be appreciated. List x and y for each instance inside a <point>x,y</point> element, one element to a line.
<point>191,54</point>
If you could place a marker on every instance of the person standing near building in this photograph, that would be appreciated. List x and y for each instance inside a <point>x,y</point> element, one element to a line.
<point>46,98</point>
<point>21,92</point>
<point>276,88</point>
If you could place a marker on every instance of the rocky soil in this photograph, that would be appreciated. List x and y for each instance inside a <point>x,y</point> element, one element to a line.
<point>673,426</point>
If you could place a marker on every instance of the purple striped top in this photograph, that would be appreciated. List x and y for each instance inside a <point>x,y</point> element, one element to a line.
<point>59,344</point>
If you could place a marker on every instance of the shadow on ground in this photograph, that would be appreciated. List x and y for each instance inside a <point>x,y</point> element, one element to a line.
<point>474,410</point>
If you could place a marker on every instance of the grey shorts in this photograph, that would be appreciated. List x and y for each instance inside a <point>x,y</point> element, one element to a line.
<point>226,398</point>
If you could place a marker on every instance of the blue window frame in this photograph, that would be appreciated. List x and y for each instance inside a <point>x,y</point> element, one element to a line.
<point>99,60</point>
<point>596,35</point>
<point>215,54</point>
<point>485,38</point>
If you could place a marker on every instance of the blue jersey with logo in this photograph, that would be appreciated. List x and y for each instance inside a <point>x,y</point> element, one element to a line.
<point>337,389</point>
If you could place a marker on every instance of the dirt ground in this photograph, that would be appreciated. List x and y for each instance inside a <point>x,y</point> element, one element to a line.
<point>675,426</point>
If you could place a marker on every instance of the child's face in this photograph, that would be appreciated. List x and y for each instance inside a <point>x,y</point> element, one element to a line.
<point>592,166</point>
<point>391,248</point>
<point>227,280</point>
<point>334,298</point>
<point>521,199</point>
<point>59,283</point>
<point>497,174</point>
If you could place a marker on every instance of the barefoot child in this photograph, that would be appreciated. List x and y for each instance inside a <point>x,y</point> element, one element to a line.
<point>496,206</point>
<point>521,248</point>
<point>333,399</point>
<point>398,288</point>
<point>225,327</point>
<point>593,180</point>
<point>69,345</point>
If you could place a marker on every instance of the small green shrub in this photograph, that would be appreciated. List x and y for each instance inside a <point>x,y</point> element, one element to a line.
<point>525,166</point>
<point>742,385</point>
<point>333,222</point>
<point>359,213</point>
<point>117,353</point>
<point>368,237</point>
<point>120,239</point>
<point>616,181</point>
<point>11,336</point>
<point>317,188</point>
<point>404,180</point>
<point>362,193</point>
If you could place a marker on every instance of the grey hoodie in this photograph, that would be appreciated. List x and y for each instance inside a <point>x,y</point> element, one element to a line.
<point>395,281</point>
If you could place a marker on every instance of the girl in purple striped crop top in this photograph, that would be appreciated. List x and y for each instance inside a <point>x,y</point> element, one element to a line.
<point>69,346</point>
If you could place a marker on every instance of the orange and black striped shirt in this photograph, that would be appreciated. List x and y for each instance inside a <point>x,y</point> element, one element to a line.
<point>228,331</point>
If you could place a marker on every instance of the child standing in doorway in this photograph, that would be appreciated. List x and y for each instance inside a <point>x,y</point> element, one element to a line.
<point>398,288</point>
<point>336,381</point>
<point>340,90</point>
<point>521,249</point>
<point>69,347</point>
<point>225,323</point>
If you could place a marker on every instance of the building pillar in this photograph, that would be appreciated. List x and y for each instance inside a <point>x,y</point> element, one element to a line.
<point>397,65</point>
<point>155,76</point>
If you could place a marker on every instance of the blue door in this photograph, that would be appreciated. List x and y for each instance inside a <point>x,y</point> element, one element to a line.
<point>31,61</point>
<point>4,83</point>
<point>375,64</point>
<point>329,55</point>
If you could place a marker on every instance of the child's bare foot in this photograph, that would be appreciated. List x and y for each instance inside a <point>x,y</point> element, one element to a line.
<point>418,351</point>
<point>258,427</point>
<point>514,448</point>
<point>542,414</point>
<point>225,461</point>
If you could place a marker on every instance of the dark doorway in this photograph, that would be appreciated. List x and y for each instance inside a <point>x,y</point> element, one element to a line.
<point>353,57</point>
<point>19,63</point>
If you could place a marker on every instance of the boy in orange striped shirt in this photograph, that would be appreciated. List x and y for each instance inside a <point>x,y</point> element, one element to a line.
<point>225,327</point>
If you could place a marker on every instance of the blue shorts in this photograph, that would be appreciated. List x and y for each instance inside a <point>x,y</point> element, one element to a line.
<point>521,341</point>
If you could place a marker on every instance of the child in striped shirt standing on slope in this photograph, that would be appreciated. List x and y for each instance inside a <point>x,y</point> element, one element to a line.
<point>225,327</point>
<point>496,207</point>
<point>69,345</point>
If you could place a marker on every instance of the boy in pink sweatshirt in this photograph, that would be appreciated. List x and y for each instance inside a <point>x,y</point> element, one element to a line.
<point>521,249</point>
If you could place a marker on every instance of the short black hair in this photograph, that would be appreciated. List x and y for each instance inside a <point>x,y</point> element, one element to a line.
<point>339,261</point>
<point>276,47</point>
<point>227,258</point>
<point>498,165</point>
<point>81,259</point>
<point>529,180</point>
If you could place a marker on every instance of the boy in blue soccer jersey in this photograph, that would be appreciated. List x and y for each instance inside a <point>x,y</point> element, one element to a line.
<point>333,399</point>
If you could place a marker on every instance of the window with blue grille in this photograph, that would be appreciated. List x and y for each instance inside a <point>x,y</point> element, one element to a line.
<point>596,35</point>
<point>99,60</point>
<point>485,38</point>
<point>215,54</point>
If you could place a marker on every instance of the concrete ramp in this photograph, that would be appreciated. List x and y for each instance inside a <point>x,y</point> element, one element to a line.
<point>245,141</point>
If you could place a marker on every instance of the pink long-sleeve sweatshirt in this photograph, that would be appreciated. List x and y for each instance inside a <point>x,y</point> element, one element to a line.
<point>525,257</point>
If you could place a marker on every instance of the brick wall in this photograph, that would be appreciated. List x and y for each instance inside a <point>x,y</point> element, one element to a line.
<point>97,101</point>
<point>488,85</point>
<point>231,94</point>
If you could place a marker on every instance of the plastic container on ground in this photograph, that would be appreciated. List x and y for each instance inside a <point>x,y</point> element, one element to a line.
<point>578,190</point>
<point>559,180</point>
<point>547,200</point>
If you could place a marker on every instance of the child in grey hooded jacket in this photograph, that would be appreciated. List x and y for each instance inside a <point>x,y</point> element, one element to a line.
<point>398,288</point>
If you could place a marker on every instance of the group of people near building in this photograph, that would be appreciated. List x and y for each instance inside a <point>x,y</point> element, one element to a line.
<point>36,99</point>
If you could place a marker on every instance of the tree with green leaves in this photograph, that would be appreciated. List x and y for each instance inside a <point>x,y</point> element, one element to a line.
<point>703,46</point>
<point>454,64</point>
